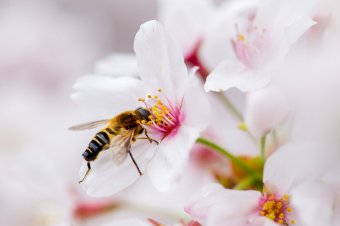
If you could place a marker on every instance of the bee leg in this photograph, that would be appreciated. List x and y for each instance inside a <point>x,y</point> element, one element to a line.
<point>134,162</point>
<point>150,139</point>
<point>87,172</point>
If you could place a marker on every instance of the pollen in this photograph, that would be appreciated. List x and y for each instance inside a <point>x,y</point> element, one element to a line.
<point>241,37</point>
<point>275,208</point>
<point>165,115</point>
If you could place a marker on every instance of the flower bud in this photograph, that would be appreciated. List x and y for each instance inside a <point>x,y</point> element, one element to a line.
<point>265,110</point>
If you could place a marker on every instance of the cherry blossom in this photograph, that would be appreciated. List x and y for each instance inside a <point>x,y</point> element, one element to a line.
<point>293,193</point>
<point>169,91</point>
<point>251,42</point>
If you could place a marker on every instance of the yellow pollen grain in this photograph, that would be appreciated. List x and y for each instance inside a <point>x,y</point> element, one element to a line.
<point>141,99</point>
<point>280,221</point>
<point>149,96</point>
<point>292,221</point>
<point>155,97</point>
<point>241,37</point>
<point>281,216</point>
<point>289,209</point>
<point>159,90</point>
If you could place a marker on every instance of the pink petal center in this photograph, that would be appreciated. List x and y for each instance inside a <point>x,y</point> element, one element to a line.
<point>251,46</point>
<point>166,116</point>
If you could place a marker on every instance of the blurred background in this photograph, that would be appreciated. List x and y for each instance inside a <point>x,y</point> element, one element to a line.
<point>45,46</point>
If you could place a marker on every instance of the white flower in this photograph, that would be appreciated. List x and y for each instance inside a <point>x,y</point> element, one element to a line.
<point>265,110</point>
<point>135,222</point>
<point>119,64</point>
<point>178,107</point>
<point>251,41</point>
<point>293,194</point>
<point>186,20</point>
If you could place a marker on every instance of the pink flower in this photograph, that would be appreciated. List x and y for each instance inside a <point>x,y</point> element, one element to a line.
<point>250,40</point>
<point>170,93</point>
<point>293,193</point>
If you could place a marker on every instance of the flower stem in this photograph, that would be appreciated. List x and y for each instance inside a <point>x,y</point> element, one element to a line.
<point>263,146</point>
<point>230,106</point>
<point>246,183</point>
<point>240,163</point>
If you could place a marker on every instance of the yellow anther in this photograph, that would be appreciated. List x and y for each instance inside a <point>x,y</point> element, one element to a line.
<point>143,121</point>
<point>289,209</point>
<point>292,221</point>
<point>285,198</point>
<point>159,90</point>
<point>150,117</point>
<point>138,121</point>
<point>149,96</point>
<point>241,37</point>
<point>281,216</point>
<point>280,221</point>
<point>262,213</point>
<point>141,99</point>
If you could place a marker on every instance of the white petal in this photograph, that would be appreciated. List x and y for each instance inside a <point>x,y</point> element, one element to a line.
<point>117,65</point>
<point>230,74</point>
<point>294,163</point>
<point>186,20</point>
<point>160,60</point>
<point>279,16</point>
<point>285,20</point>
<point>196,106</point>
<point>215,206</point>
<point>171,156</point>
<point>107,96</point>
<point>106,178</point>
<point>265,110</point>
<point>218,217</point>
<point>130,222</point>
<point>313,204</point>
<point>216,44</point>
<point>203,200</point>
<point>262,221</point>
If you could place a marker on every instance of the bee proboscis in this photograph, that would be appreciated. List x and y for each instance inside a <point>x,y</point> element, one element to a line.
<point>117,136</point>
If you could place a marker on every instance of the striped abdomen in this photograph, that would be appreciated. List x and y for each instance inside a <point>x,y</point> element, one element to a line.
<point>100,141</point>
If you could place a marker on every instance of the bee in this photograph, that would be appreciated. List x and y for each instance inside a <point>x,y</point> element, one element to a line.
<point>117,136</point>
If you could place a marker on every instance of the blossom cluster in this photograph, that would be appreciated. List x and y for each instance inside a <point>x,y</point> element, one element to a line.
<point>242,122</point>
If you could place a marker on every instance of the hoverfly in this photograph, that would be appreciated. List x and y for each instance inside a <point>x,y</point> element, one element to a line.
<point>117,136</point>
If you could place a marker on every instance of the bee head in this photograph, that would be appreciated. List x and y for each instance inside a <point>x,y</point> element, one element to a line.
<point>144,113</point>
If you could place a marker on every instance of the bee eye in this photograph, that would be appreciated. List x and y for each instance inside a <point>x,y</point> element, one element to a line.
<point>144,113</point>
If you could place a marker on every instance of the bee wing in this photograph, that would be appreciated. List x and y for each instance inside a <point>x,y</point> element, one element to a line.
<point>120,146</point>
<point>89,125</point>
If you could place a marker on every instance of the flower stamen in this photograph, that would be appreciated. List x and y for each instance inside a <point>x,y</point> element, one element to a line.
<point>165,115</point>
<point>275,208</point>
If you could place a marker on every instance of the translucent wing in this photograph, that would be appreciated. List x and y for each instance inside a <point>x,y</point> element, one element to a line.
<point>120,145</point>
<point>90,125</point>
